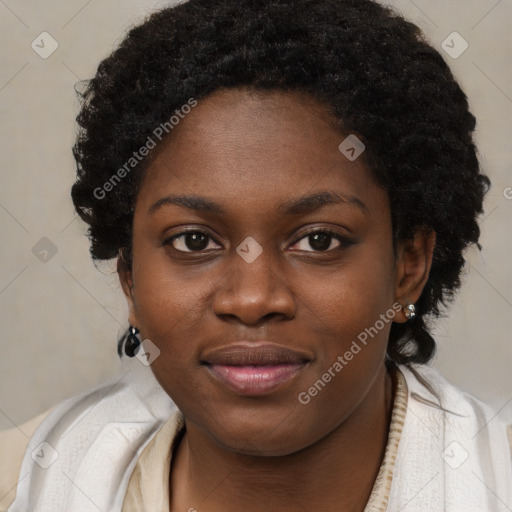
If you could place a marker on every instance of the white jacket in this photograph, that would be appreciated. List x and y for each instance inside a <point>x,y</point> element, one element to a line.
<point>80,459</point>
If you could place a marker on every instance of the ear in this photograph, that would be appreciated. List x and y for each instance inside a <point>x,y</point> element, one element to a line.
<point>125,278</point>
<point>413,263</point>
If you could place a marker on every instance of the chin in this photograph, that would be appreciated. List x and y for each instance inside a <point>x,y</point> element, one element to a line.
<point>243,434</point>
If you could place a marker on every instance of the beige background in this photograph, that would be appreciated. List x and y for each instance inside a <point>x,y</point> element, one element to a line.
<point>59,320</point>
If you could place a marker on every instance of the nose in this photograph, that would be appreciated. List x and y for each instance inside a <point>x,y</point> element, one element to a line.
<point>254,292</point>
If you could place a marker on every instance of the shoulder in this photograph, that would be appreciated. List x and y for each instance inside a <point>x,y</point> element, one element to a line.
<point>13,444</point>
<point>451,396</point>
<point>97,435</point>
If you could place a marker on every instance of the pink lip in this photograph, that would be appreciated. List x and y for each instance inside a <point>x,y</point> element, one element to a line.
<point>254,368</point>
<point>255,380</point>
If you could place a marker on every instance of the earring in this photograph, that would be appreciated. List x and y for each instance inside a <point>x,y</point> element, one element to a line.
<point>132,341</point>
<point>410,311</point>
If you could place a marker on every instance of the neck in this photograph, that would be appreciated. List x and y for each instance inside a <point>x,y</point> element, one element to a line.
<point>336,473</point>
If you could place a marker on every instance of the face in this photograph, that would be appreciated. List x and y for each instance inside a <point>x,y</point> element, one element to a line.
<point>260,255</point>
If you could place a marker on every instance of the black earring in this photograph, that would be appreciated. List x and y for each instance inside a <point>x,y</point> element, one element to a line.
<point>132,341</point>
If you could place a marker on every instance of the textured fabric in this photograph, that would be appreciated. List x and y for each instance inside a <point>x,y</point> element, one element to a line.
<point>13,444</point>
<point>146,486</point>
<point>378,501</point>
<point>453,454</point>
<point>82,455</point>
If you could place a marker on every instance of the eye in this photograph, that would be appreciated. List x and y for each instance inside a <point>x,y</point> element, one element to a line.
<point>321,240</point>
<point>189,241</point>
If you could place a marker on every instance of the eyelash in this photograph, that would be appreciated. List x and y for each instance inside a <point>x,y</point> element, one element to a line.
<point>344,241</point>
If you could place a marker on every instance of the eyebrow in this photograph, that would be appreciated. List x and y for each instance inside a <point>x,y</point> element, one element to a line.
<point>312,202</point>
<point>298,206</point>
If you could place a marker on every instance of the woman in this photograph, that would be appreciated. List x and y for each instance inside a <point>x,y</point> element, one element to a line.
<point>288,188</point>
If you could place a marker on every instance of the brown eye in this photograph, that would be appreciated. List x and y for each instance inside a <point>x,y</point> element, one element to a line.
<point>189,241</point>
<point>322,240</point>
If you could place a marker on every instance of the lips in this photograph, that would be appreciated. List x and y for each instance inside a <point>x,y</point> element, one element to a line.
<point>254,368</point>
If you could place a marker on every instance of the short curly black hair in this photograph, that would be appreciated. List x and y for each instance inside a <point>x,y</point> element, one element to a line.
<point>379,76</point>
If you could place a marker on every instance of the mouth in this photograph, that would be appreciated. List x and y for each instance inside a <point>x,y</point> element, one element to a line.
<point>254,368</point>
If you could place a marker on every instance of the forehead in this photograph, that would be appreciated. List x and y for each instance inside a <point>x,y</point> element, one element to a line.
<point>255,146</point>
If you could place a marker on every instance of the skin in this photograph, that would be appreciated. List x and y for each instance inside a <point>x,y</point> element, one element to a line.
<point>249,152</point>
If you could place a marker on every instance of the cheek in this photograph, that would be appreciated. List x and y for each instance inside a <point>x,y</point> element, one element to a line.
<point>352,319</point>
<point>168,304</point>
<point>170,312</point>
<point>351,298</point>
